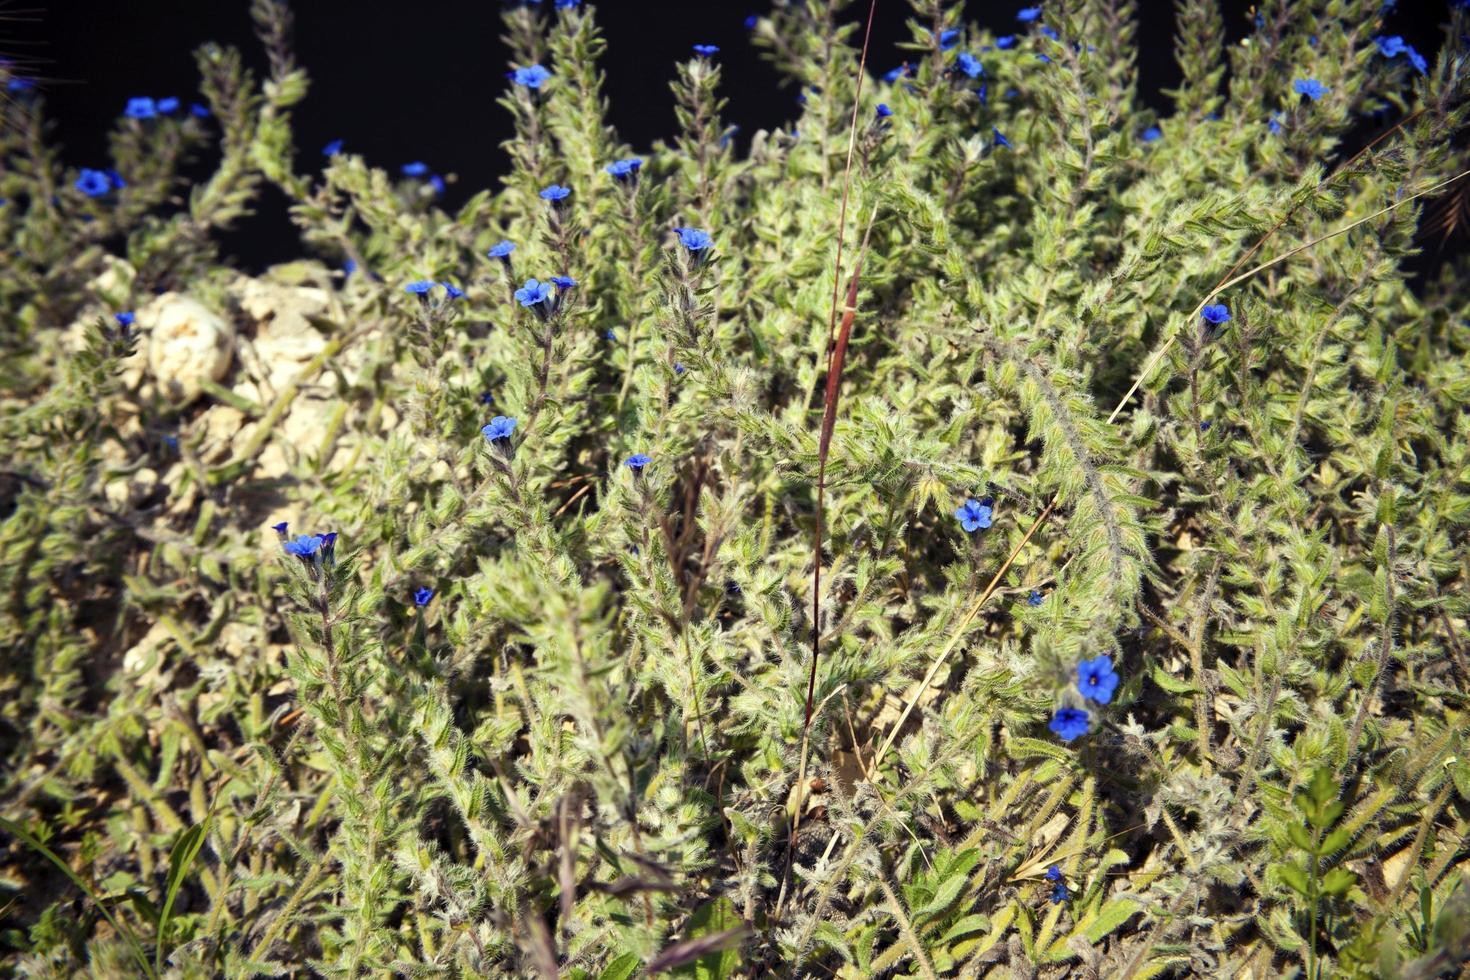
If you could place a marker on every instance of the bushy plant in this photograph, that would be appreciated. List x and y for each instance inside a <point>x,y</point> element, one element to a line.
<point>397,612</point>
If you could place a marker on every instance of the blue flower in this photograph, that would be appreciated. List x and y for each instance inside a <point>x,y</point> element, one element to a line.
<point>1069,723</point>
<point>1096,679</point>
<point>1309,87</point>
<point>1274,124</point>
<point>1049,31</point>
<point>171,441</point>
<point>975,514</point>
<point>1028,14</point>
<point>168,106</point>
<point>1216,313</point>
<point>705,50</point>
<point>751,21</point>
<point>679,368</point>
<point>555,193</point>
<point>694,239</point>
<point>533,293</point>
<point>1204,426</point>
<point>624,170</point>
<point>1053,873</point>
<point>454,291</point>
<point>436,182</point>
<point>422,595</point>
<point>1389,47</point>
<point>499,429</point>
<point>1059,893</point>
<point>305,545</point>
<point>328,539</point>
<point>1416,59</point>
<point>567,4</point>
<point>348,268</point>
<point>948,39</point>
<point>421,287</point>
<point>16,85</point>
<point>198,111</point>
<point>1005,41</point>
<point>531,77</point>
<point>332,149</point>
<point>1152,133</point>
<point>486,398</point>
<point>93,183</point>
<point>883,111</point>
<point>1000,139</point>
<point>637,461</point>
<point>280,528</point>
<point>894,74</point>
<point>502,250</point>
<point>416,169</point>
<point>141,107</point>
<point>563,282</point>
<point>124,319</point>
<point>969,64</point>
<point>1035,598</point>
<point>610,335</point>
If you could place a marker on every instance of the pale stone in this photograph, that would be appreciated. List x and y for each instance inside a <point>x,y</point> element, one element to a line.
<point>188,343</point>
<point>285,340</point>
<point>147,653</point>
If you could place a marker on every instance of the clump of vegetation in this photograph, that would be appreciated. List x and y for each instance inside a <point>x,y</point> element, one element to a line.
<point>983,530</point>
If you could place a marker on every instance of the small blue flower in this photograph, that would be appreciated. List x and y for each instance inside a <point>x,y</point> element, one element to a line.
<point>532,77</point>
<point>894,74</point>
<point>751,21</point>
<point>1059,893</point>
<point>486,398</point>
<point>420,287</point>
<point>499,429</point>
<point>624,170</point>
<point>1216,313</point>
<point>416,169</point>
<point>533,293</point>
<point>454,291</point>
<point>1026,14</point>
<point>679,368</point>
<point>1309,87</point>
<point>694,239</point>
<point>332,149</point>
<point>171,441</point>
<point>1069,723</point>
<point>1005,41</point>
<point>502,250</point>
<point>328,539</point>
<point>1043,58</point>
<point>948,39</point>
<point>305,545</point>
<point>1049,31</point>
<point>568,4</point>
<point>555,193</point>
<point>422,595</point>
<point>280,528</point>
<point>1204,426</point>
<point>18,85</point>
<point>1053,873</point>
<point>610,335</point>
<point>1274,124</point>
<point>124,319</point>
<point>1389,47</point>
<point>348,268</point>
<point>1000,139</point>
<point>1416,59</point>
<point>141,107</point>
<point>1152,133</point>
<point>437,183</point>
<point>198,111</point>
<point>93,183</point>
<point>883,111</point>
<point>706,50</point>
<point>637,461</point>
<point>1035,598</point>
<point>974,514</point>
<point>563,282</point>
<point>1096,679</point>
<point>969,64</point>
<point>168,106</point>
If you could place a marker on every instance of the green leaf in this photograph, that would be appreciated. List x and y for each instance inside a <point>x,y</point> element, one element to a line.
<point>964,927</point>
<point>1338,881</point>
<point>622,967</point>
<point>1294,878</point>
<point>185,850</point>
<point>1301,837</point>
<point>1112,915</point>
<point>710,918</point>
<point>944,896</point>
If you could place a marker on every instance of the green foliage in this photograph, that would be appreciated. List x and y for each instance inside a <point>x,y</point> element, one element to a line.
<point>581,756</point>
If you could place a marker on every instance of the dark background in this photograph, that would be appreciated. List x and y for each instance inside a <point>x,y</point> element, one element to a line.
<point>403,81</point>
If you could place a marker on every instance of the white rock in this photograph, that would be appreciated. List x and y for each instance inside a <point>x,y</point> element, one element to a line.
<point>285,341</point>
<point>188,343</point>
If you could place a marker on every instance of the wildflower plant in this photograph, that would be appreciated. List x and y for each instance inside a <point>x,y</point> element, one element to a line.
<point>884,547</point>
